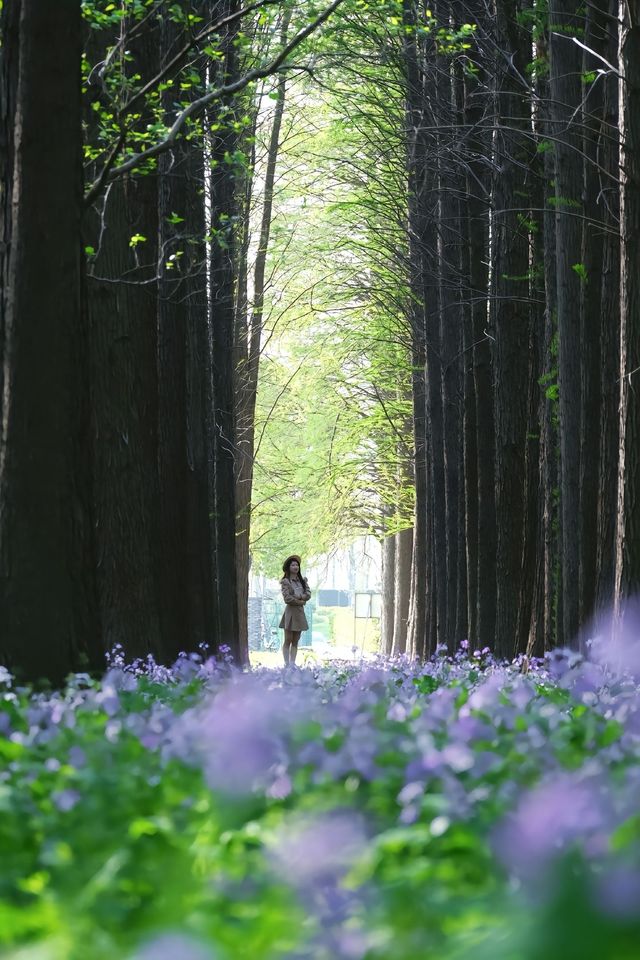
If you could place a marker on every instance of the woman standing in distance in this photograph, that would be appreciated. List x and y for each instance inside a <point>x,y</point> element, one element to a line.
<point>295,593</point>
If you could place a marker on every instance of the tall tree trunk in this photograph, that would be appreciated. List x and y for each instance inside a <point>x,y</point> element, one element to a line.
<point>531,539</point>
<point>48,612</point>
<point>224,139</point>
<point>122,308</point>
<point>510,316</point>
<point>628,538</point>
<point>548,381</point>
<point>122,229</point>
<point>449,340</point>
<point>186,562</point>
<point>423,325</point>
<point>480,451</point>
<point>565,89</point>
<point>596,38</point>
<point>419,572</point>
<point>609,337</point>
<point>9,59</point>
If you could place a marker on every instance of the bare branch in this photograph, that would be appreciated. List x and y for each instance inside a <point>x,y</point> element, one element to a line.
<point>583,46</point>
<point>199,105</point>
<point>194,41</point>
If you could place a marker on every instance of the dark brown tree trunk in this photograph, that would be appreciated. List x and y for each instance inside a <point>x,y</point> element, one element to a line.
<point>541,421</point>
<point>449,337</point>
<point>423,325</point>
<point>565,90</point>
<point>122,229</point>
<point>470,454</point>
<point>531,540</point>
<point>223,143</point>
<point>597,39</point>
<point>186,562</point>
<point>48,611</point>
<point>628,539</point>
<point>449,349</point>
<point>418,625</point>
<point>9,59</point>
<point>549,387</point>
<point>510,316</point>
<point>122,307</point>
<point>609,338</point>
<point>479,416</point>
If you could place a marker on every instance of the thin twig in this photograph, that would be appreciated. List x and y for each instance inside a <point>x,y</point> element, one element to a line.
<point>197,106</point>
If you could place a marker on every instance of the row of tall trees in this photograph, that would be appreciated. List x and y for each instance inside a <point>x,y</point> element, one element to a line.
<point>516,184</point>
<point>118,329</point>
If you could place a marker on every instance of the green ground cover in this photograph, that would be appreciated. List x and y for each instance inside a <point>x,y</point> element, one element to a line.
<point>456,809</point>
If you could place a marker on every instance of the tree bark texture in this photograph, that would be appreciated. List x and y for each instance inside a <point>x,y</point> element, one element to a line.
<point>609,337</point>
<point>186,562</point>
<point>510,316</point>
<point>48,612</point>
<point>223,142</point>
<point>565,90</point>
<point>479,413</point>
<point>426,386</point>
<point>9,59</point>
<point>628,540</point>
<point>594,137</point>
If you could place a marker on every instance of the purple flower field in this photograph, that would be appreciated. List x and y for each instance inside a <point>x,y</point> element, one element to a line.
<point>458,808</point>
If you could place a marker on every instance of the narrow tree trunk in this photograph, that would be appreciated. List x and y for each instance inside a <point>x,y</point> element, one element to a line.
<point>418,624</point>
<point>609,338</point>
<point>221,272</point>
<point>48,612</point>
<point>510,318</point>
<point>423,329</point>
<point>565,89</point>
<point>388,594</point>
<point>531,540</point>
<point>402,589</point>
<point>9,59</point>
<point>479,415</point>
<point>628,538</point>
<point>596,38</point>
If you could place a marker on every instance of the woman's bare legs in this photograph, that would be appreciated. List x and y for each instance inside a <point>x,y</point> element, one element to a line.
<point>290,646</point>
<point>293,650</point>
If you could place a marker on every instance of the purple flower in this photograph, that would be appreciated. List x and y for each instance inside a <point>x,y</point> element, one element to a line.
<point>319,850</point>
<point>238,736</point>
<point>65,800</point>
<point>615,645</point>
<point>77,757</point>
<point>174,947</point>
<point>548,819</point>
<point>485,697</point>
<point>617,891</point>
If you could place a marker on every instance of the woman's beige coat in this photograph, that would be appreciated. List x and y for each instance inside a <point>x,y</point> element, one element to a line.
<point>295,596</point>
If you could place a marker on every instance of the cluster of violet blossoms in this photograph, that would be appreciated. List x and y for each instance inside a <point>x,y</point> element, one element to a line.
<point>450,727</point>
